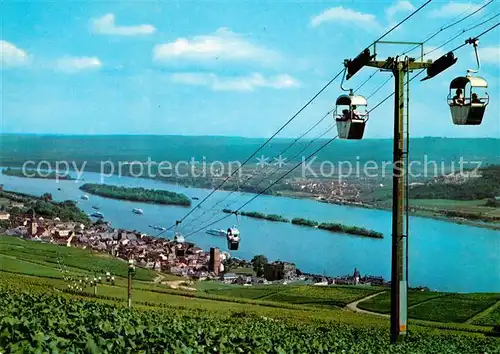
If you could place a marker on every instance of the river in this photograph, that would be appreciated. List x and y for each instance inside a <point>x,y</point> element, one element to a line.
<point>443,255</point>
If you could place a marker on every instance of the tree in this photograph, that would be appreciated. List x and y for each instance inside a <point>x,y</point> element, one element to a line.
<point>258,263</point>
<point>47,196</point>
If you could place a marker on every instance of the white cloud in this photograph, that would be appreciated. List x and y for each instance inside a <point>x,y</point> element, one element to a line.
<point>223,45</point>
<point>453,9</point>
<point>76,64</point>
<point>399,6</point>
<point>106,25</point>
<point>490,55</point>
<point>339,14</point>
<point>10,55</point>
<point>239,83</point>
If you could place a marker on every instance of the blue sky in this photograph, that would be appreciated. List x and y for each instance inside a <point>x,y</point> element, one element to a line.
<point>220,67</point>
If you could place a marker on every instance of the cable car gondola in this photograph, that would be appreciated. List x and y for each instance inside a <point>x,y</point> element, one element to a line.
<point>233,238</point>
<point>351,116</point>
<point>466,107</point>
<point>468,104</point>
<point>178,238</point>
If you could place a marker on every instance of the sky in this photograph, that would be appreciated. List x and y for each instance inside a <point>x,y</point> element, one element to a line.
<point>235,68</point>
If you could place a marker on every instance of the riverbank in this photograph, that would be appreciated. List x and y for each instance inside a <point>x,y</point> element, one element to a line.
<point>431,212</point>
<point>137,194</point>
<point>30,173</point>
<point>418,211</point>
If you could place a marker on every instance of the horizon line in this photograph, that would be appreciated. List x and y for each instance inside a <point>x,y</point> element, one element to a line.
<point>220,136</point>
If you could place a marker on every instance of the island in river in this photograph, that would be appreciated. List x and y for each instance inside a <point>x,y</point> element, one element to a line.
<point>333,227</point>
<point>137,194</point>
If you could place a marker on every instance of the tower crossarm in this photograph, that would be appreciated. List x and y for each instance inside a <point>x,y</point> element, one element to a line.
<point>387,64</point>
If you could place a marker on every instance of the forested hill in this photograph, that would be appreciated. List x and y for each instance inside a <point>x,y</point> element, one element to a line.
<point>15,149</point>
<point>486,186</point>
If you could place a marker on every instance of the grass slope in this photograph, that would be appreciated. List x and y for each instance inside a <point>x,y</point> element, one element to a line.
<point>75,258</point>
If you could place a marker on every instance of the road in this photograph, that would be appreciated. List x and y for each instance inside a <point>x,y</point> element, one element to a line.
<point>353,306</point>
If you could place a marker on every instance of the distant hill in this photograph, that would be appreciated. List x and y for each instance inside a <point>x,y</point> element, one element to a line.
<point>15,149</point>
<point>486,186</point>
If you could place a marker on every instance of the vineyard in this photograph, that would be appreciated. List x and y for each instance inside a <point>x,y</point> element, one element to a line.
<point>46,256</point>
<point>435,306</point>
<point>53,323</point>
<point>39,313</point>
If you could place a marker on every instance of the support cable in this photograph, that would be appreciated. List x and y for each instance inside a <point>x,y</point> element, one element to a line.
<point>449,26</point>
<point>267,188</point>
<point>264,168</point>
<point>276,169</point>
<point>461,33</point>
<point>255,152</point>
<point>292,118</point>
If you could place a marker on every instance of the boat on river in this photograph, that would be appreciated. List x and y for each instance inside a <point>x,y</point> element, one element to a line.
<point>84,197</point>
<point>216,232</point>
<point>137,211</point>
<point>97,214</point>
<point>95,207</point>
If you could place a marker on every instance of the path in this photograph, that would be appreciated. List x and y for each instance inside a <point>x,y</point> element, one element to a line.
<point>353,306</point>
<point>158,279</point>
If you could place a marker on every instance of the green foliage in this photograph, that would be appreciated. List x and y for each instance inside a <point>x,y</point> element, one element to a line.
<point>30,173</point>
<point>493,203</point>
<point>44,206</point>
<point>254,214</point>
<point>137,194</point>
<point>66,211</point>
<point>382,302</point>
<point>486,186</point>
<point>37,322</point>
<point>258,263</point>
<point>22,251</point>
<point>454,307</point>
<point>275,217</point>
<point>321,295</point>
<point>353,230</point>
<point>304,222</point>
<point>258,215</point>
<point>490,318</point>
<point>248,292</point>
<point>47,196</point>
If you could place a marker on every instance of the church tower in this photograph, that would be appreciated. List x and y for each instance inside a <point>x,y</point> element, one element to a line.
<point>32,226</point>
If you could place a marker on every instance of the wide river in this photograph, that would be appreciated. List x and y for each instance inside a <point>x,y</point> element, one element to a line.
<point>443,255</point>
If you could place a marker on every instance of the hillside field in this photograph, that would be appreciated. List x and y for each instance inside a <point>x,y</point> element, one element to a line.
<point>38,312</point>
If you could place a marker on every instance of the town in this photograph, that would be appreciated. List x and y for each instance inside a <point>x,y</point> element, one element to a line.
<point>160,254</point>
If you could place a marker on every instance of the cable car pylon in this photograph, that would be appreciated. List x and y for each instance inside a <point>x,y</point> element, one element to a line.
<point>400,68</point>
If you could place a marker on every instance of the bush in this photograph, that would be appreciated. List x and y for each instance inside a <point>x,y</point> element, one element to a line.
<point>304,222</point>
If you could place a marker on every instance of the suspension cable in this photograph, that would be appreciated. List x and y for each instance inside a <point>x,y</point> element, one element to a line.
<point>379,87</point>
<point>277,156</point>
<point>476,37</point>
<point>461,33</point>
<point>267,188</point>
<point>256,151</point>
<point>275,170</point>
<point>449,26</point>
<point>327,143</point>
<point>401,22</point>
<point>290,120</point>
